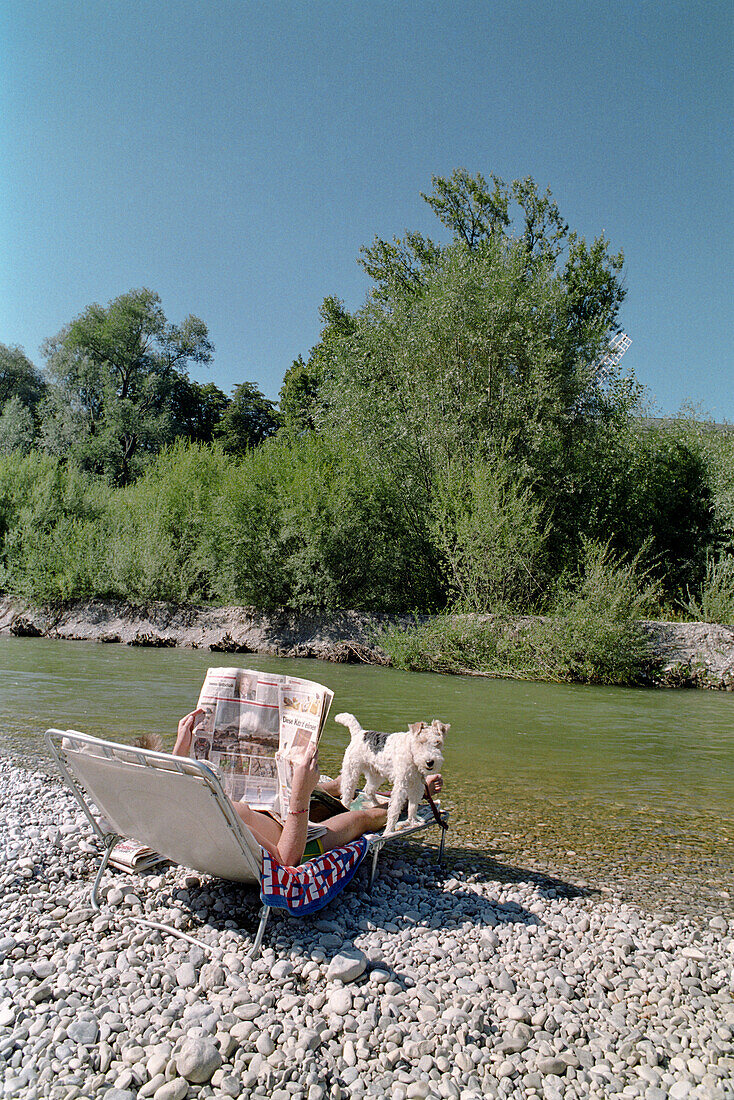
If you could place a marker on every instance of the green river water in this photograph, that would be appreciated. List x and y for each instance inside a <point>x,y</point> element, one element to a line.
<point>612,790</point>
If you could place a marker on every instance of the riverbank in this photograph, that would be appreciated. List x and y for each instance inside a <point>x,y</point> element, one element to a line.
<point>684,654</point>
<point>439,984</point>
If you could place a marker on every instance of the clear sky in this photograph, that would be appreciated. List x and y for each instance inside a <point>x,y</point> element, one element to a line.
<point>234,155</point>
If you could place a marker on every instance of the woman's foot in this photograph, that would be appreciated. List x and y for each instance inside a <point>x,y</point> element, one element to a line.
<point>434,784</point>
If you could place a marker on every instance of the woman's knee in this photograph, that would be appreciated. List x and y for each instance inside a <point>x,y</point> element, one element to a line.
<point>374,817</point>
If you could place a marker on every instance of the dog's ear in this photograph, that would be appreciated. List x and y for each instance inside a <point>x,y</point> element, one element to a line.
<point>442,727</point>
<point>416,727</point>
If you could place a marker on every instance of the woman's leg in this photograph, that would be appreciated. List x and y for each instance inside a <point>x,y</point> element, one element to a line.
<point>266,831</point>
<point>334,786</point>
<point>345,828</point>
<point>331,786</point>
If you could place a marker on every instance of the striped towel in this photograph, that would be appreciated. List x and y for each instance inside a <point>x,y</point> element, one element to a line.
<point>309,887</point>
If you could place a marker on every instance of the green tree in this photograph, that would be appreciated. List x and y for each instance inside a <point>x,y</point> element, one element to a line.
<point>197,409</point>
<point>114,373</point>
<point>489,343</point>
<point>299,397</point>
<point>657,499</point>
<point>248,420</point>
<point>303,393</point>
<point>19,378</point>
<point>17,428</point>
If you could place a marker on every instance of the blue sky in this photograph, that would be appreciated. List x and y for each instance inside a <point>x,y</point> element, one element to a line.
<point>235,156</point>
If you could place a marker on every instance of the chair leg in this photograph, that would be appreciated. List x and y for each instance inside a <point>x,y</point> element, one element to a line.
<point>444,830</point>
<point>255,949</point>
<point>373,868</point>
<point>110,841</point>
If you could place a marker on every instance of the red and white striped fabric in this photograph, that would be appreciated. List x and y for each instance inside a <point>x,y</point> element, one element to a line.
<point>309,887</point>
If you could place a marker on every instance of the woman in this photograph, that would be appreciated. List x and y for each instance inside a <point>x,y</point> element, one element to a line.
<point>287,842</point>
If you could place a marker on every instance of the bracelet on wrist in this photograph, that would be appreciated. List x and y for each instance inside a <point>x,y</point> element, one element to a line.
<point>297,812</point>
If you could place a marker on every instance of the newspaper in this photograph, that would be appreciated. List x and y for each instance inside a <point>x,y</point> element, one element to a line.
<point>128,855</point>
<point>256,726</point>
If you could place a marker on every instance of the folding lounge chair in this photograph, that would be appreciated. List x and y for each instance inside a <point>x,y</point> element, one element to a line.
<point>177,807</point>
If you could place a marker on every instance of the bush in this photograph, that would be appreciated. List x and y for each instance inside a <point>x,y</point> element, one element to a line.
<point>54,540</point>
<point>715,601</point>
<point>645,489</point>
<point>165,529</point>
<point>594,636</point>
<point>307,524</point>
<point>488,526</point>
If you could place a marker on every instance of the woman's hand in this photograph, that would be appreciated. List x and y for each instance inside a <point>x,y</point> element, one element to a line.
<point>306,775</point>
<point>186,730</point>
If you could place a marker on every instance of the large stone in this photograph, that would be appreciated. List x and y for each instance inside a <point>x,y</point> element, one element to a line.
<point>339,1003</point>
<point>84,1031</point>
<point>79,916</point>
<point>552,1065</point>
<point>198,1059</point>
<point>347,965</point>
<point>186,975</point>
<point>264,1044</point>
<point>212,977</point>
<point>42,992</point>
<point>282,969</point>
<point>172,1090</point>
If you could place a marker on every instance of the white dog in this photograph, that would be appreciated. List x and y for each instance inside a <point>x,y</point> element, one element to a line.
<point>405,758</point>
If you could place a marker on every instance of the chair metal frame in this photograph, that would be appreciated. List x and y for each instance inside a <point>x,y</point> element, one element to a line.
<point>60,742</point>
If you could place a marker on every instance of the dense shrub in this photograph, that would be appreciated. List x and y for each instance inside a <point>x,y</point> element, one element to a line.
<point>643,489</point>
<point>487,523</point>
<point>53,541</point>
<point>593,636</point>
<point>164,530</point>
<point>714,600</point>
<point>307,523</point>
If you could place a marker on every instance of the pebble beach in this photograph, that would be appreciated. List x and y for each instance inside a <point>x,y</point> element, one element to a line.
<point>439,983</point>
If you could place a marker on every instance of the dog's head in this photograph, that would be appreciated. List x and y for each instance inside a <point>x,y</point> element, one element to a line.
<point>427,745</point>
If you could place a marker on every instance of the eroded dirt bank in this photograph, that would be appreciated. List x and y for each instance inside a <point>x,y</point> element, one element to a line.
<point>689,654</point>
<point>343,636</point>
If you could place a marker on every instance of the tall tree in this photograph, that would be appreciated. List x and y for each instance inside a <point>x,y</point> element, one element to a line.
<point>302,395</point>
<point>115,371</point>
<point>485,344</point>
<point>249,419</point>
<point>197,409</point>
<point>491,338</point>
<point>17,428</point>
<point>19,377</point>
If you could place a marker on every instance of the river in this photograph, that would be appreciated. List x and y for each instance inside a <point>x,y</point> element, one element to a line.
<point>624,791</point>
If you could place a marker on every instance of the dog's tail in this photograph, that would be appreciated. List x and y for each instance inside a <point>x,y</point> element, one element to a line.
<point>350,722</point>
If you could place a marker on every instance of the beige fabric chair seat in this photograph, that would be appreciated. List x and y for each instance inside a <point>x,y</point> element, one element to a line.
<point>175,805</point>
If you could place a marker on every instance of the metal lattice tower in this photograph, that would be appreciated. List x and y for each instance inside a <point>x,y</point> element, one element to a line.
<point>617,347</point>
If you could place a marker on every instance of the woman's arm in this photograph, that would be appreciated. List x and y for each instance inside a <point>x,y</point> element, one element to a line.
<point>295,827</point>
